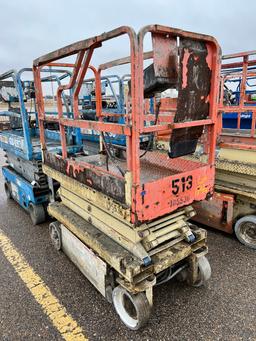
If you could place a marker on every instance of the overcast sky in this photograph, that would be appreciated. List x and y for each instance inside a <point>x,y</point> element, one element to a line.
<point>31,28</point>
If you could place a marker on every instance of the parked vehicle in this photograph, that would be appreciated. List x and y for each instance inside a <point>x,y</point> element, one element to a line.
<point>124,221</point>
<point>25,181</point>
<point>233,208</point>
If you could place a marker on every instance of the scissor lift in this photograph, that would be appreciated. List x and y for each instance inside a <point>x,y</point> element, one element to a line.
<point>124,221</point>
<point>233,207</point>
<point>113,101</point>
<point>25,181</point>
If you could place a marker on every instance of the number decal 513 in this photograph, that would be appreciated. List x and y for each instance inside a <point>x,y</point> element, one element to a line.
<point>181,185</point>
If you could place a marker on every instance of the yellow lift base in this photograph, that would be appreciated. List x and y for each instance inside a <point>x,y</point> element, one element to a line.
<point>111,252</point>
<point>233,208</point>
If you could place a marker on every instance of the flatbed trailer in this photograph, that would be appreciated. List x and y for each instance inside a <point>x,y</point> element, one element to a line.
<point>124,221</point>
<point>233,207</point>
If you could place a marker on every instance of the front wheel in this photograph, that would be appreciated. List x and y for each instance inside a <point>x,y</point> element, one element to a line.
<point>37,213</point>
<point>133,309</point>
<point>245,230</point>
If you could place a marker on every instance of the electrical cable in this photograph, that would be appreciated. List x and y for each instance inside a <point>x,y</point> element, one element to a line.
<point>109,154</point>
<point>151,139</point>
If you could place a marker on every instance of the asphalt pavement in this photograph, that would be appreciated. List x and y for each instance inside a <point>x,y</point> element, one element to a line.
<point>223,310</point>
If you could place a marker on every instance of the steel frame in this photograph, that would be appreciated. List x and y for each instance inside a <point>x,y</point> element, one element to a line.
<point>237,70</point>
<point>234,195</point>
<point>22,145</point>
<point>204,173</point>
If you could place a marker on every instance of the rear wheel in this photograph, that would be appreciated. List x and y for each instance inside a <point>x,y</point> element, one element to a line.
<point>133,310</point>
<point>55,234</point>
<point>8,190</point>
<point>204,272</point>
<point>37,213</point>
<point>245,230</point>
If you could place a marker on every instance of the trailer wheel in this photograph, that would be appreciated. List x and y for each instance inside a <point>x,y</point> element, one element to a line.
<point>55,234</point>
<point>8,190</point>
<point>245,230</point>
<point>204,272</point>
<point>37,213</point>
<point>133,310</point>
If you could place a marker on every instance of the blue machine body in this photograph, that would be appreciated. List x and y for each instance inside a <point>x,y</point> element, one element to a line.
<point>24,142</point>
<point>22,190</point>
<point>21,141</point>
<point>230,119</point>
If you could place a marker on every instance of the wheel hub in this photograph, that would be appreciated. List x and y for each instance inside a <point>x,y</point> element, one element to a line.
<point>129,307</point>
<point>248,229</point>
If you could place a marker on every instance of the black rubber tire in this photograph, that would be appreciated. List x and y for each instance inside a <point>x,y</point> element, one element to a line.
<point>55,235</point>
<point>139,303</point>
<point>8,191</point>
<point>37,213</point>
<point>245,230</point>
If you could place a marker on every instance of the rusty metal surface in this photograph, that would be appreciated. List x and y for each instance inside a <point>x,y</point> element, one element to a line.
<point>99,199</point>
<point>204,52</point>
<point>236,153</point>
<point>81,45</point>
<point>110,185</point>
<point>162,74</point>
<point>216,213</point>
<point>123,61</point>
<point>193,100</point>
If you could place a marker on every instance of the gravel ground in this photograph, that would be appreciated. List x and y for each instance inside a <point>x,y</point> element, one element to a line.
<point>224,310</point>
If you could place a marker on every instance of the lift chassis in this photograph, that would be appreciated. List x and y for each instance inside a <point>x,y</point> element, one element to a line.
<point>124,221</point>
<point>233,206</point>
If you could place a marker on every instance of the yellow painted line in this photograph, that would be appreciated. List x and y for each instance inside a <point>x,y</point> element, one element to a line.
<point>55,311</point>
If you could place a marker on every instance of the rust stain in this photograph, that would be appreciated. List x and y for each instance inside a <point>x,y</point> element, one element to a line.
<point>193,100</point>
<point>185,68</point>
<point>103,182</point>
